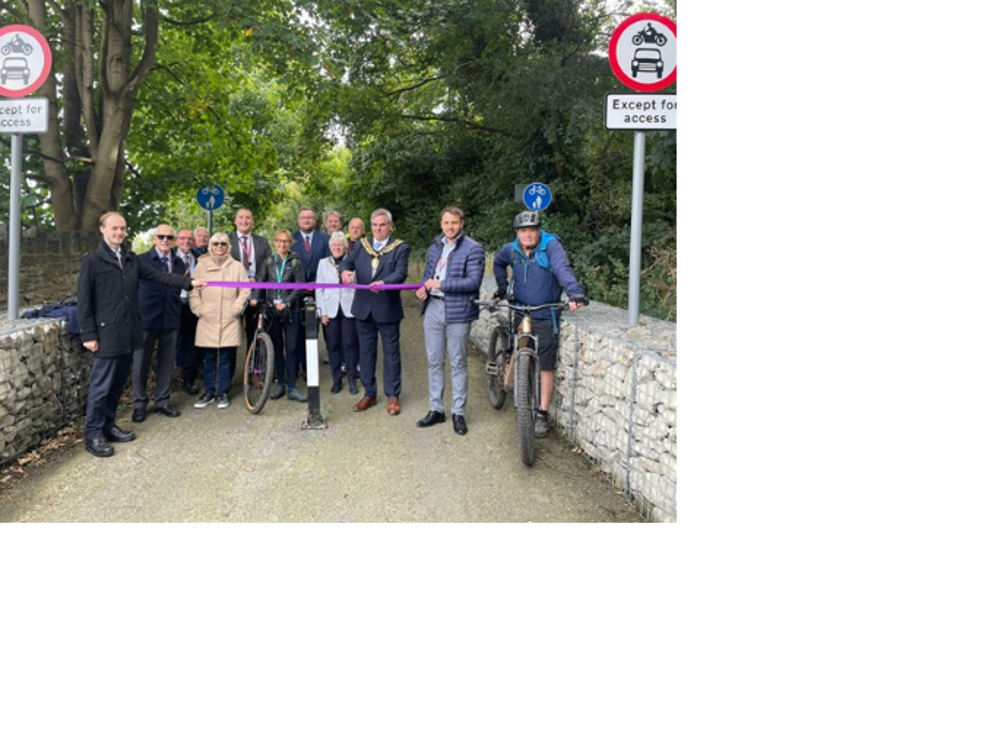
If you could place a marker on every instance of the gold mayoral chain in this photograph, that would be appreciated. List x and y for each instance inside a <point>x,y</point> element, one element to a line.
<point>366,245</point>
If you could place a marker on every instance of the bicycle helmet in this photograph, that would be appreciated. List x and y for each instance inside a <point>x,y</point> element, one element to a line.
<point>528,219</point>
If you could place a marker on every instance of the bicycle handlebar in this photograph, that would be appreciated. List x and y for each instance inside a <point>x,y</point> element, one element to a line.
<point>493,304</point>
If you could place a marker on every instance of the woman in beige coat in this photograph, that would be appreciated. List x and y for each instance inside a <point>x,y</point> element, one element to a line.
<point>219,311</point>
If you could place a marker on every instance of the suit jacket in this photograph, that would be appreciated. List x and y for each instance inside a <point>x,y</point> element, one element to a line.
<point>107,299</point>
<point>383,306</point>
<point>320,248</point>
<point>159,304</point>
<point>261,251</point>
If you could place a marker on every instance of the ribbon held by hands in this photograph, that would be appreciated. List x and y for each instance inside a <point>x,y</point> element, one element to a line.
<point>311,286</point>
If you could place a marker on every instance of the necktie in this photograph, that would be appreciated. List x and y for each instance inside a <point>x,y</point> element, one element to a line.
<point>306,243</point>
<point>379,245</point>
<point>166,263</point>
<point>245,244</point>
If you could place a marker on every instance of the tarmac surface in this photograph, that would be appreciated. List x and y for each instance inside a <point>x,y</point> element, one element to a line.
<point>212,465</point>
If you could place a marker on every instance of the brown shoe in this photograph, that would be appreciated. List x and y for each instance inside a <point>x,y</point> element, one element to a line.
<point>366,403</point>
<point>393,405</point>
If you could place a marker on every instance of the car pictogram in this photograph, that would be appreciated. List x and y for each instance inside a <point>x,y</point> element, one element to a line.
<point>14,68</point>
<point>647,59</point>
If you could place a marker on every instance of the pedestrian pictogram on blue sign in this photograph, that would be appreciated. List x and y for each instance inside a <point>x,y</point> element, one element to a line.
<point>537,196</point>
<point>211,197</point>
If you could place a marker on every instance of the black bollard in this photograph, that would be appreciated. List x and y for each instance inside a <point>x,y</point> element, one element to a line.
<point>314,420</point>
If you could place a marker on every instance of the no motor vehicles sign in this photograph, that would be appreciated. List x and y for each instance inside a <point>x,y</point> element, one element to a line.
<point>643,52</point>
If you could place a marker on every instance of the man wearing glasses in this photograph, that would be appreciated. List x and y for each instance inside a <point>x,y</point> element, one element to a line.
<point>160,312</point>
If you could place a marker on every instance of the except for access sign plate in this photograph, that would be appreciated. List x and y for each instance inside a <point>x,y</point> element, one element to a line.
<point>30,116</point>
<point>643,52</point>
<point>640,112</point>
<point>25,60</point>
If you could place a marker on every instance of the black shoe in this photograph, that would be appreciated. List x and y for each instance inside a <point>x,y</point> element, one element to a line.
<point>337,387</point>
<point>190,388</point>
<point>352,385</point>
<point>458,422</point>
<point>117,435</point>
<point>432,418</point>
<point>167,411</point>
<point>100,447</point>
<point>139,415</point>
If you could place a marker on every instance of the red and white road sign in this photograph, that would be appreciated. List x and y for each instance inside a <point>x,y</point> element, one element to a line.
<point>643,52</point>
<point>25,60</point>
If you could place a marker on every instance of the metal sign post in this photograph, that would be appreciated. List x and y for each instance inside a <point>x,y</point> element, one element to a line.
<point>14,245</point>
<point>314,420</point>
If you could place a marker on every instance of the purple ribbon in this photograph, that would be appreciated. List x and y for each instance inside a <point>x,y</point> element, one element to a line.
<point>310,286</point>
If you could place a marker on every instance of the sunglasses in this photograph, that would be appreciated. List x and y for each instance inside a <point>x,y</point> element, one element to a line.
<point>164,237</point>
<point>219,243</point>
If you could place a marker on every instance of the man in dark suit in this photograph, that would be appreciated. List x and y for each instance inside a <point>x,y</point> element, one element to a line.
<point>311,245</point>
<point>378,313</point>
<point>251,250</point>
<point>160,312</point>
<point>107,296</point>
<point>187,351</point>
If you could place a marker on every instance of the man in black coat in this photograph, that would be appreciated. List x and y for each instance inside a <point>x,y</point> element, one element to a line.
<point>378,313</point>
<point>160,312</point>
<point>107,299</point>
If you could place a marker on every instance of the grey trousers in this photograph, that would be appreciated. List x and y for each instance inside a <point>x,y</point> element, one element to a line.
<point>165,344</point>
<point>455,336</point>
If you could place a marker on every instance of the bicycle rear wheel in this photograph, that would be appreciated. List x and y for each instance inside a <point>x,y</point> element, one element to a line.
<point>496,367</point>
<point>524,401</point>
<point>258,372</point>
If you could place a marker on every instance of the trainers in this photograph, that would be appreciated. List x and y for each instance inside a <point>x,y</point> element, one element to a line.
<point>206,399</point>
<point>277,391</point>
<point>223,402</point>
<point>294,394</point>
<point>541,426</point>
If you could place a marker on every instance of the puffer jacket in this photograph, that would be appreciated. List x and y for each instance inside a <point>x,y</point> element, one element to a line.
<point>219,309</point>
<point>466,266</point>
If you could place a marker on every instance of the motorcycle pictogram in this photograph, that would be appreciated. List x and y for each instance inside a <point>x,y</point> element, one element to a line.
<point>16,45</point>
<point>649,34</point>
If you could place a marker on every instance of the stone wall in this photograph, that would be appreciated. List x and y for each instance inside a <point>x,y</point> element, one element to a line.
<point>43,383</point>
<point>616,399</point>
<point>49,266</point>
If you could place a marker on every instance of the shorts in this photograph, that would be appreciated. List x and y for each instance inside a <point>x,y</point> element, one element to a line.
<point>548,341</point>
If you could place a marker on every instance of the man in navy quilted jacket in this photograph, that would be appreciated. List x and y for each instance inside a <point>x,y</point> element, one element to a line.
<point>452,276</point>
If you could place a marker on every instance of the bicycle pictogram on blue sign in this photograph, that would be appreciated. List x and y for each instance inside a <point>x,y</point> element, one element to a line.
<point>537,196</point>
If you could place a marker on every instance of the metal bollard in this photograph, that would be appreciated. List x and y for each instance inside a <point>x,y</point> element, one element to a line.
<point>314,420</point>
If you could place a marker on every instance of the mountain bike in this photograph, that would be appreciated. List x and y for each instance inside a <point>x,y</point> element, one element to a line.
<point>258,370</point>
<point>512,365</point>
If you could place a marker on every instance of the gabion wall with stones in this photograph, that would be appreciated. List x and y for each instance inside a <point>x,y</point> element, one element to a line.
<point>43,383</point>
<point>616,399</point>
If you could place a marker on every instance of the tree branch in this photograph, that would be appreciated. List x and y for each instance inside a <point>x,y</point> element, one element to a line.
<point>459,122</point>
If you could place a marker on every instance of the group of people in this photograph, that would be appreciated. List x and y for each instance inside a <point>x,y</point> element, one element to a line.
<point>134,307</point>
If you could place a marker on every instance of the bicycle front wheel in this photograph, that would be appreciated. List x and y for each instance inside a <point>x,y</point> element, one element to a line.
<point>258,372</point>
<point>524,401</point>
<point>496,367</point>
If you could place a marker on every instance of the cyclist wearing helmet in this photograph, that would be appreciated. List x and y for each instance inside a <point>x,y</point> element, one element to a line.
<point>541,270</point>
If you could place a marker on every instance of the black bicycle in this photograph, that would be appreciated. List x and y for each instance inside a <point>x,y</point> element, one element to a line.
<point>258,370</point>
<point>512,365</point>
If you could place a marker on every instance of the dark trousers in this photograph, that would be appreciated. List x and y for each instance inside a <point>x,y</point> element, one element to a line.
<point>284,332</point>
<point>108,376</point>
<point>392,371</point>
<point>342,346</point>
<point>219,369</point>
<point>164,344</point>
<point>187,352</point>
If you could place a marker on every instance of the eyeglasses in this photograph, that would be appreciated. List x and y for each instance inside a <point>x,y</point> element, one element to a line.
<point>219,243</point>
<point>164,237</point>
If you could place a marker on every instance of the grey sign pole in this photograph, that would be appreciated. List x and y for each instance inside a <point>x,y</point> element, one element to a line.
<point>635,243</point>
<point>14,260</point>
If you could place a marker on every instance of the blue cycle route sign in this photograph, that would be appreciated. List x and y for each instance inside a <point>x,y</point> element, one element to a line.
<point>537,196</point>
<point>211,197</point>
